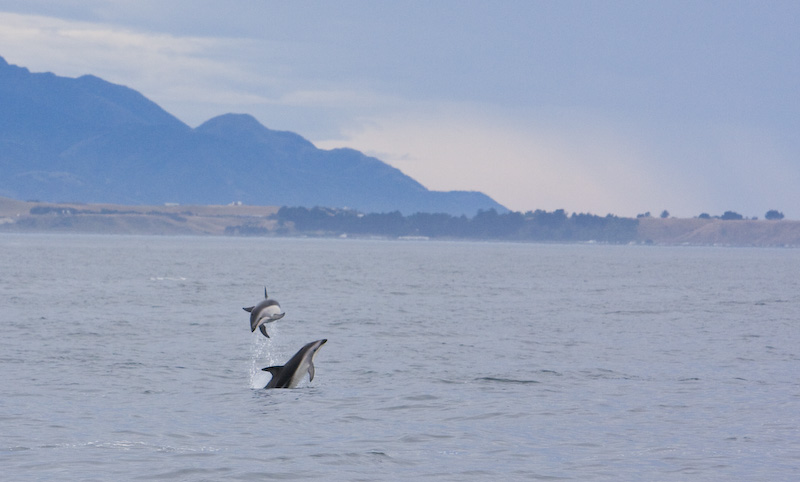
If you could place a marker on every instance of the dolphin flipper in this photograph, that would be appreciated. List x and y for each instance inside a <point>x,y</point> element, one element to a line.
<point>263,329</point>
<point>311,372</point>
<point>249,309</point>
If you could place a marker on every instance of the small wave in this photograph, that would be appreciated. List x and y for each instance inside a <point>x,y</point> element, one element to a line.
<point>637,312</point>
<point>127,445</point>
<point>604,374</point>
<point>421,398</point>
<point>769,301</point>
<point>16,448</point>
<point>505,380</point>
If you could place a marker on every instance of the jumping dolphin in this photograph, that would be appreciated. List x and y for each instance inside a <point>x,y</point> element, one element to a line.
<point>266,311</point>
<point>289,375</point>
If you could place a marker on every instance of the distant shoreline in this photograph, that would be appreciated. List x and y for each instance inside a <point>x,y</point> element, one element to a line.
<point>38,217</point>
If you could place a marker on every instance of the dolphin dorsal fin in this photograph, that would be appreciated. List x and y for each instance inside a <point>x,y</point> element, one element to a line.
<point>310,372</point>
<point>274,370</point>
<point>249,309</point>
<point>263,329</point>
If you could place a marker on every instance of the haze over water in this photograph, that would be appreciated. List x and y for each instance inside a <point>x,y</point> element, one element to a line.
<point>128,357</point>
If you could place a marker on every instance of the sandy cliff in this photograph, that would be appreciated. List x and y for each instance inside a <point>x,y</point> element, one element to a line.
<point>696,231</point>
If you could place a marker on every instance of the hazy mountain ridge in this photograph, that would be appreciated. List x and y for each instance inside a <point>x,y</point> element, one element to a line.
<point>87,140</point>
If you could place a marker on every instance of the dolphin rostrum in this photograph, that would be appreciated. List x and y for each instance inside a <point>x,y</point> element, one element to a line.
<point>266,311</point>
<point>289,375</point>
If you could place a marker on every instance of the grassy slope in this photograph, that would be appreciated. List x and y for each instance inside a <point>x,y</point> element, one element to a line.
<point>15,216</point>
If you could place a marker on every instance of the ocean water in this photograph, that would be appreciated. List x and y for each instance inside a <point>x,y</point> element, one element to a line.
<point>130,358</point>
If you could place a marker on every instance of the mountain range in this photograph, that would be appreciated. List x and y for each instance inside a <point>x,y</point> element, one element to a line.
<point>88,140</point>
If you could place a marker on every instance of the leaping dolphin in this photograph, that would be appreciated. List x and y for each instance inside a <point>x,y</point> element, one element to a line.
<point>289,375</point>
<point>266,311</point>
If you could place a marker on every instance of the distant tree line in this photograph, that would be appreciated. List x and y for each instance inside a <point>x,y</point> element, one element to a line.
<point>530,226</point>
<point>726,216</point>
<point>772,215</point>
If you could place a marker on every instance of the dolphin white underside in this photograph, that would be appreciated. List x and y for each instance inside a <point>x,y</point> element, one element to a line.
<point>269,314</point>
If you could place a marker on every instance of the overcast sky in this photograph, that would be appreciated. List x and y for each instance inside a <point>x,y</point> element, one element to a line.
<point>605,107</point>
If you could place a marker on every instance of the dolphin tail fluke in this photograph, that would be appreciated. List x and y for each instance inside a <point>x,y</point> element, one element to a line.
<point>263,329</point>
<point>265,293</point>
<point>249,309</point>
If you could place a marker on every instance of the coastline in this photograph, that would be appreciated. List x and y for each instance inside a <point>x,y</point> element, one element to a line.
<point>218,220</point>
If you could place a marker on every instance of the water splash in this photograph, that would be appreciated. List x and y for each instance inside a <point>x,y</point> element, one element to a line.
<point>262,354</point>
<point>259,348</point>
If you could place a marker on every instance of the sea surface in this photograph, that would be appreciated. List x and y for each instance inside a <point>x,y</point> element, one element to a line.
<point>130,358</point>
